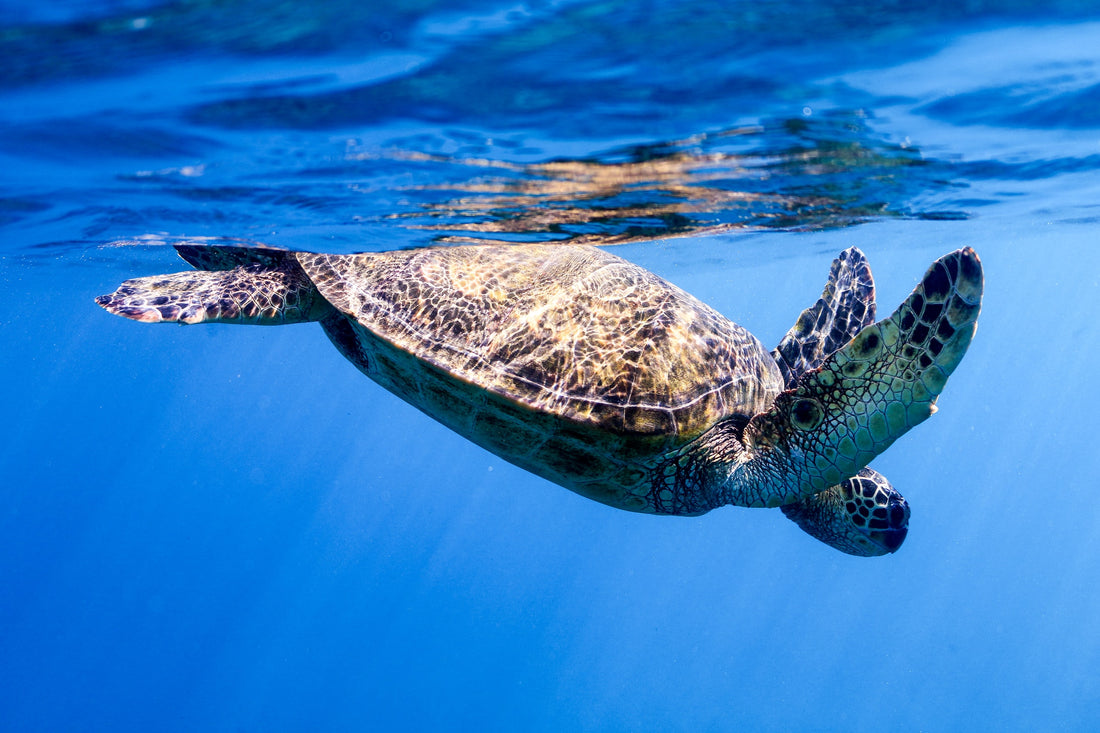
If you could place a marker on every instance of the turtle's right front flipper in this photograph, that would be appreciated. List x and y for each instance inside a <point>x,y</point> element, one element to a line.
<point>264,294</point>
<point>883,382</point>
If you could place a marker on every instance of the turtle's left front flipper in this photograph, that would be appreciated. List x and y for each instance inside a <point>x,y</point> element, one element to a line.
<point>883,382</point>
<point>846,306</point>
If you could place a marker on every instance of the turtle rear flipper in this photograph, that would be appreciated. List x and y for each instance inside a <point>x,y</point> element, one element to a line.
<point>230,256</point>
<point>869,393</point>
<point>845,307</point>
<point>255,294</point>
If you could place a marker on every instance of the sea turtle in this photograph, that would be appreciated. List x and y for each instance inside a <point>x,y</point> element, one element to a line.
<point>600,376</point>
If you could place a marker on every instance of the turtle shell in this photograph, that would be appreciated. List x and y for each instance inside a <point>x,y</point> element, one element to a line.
<point>514,344</point>
<point>574,332</point>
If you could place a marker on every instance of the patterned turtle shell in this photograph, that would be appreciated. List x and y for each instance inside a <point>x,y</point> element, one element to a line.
<point>575,333</point>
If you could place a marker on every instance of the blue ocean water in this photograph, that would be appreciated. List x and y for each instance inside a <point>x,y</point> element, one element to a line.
<point>224,528</point>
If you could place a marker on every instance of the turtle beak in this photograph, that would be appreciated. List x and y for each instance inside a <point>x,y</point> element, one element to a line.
<point>890,539</point>
<point>897,513</point>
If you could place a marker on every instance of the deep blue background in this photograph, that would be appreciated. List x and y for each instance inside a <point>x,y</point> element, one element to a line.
<point>227,528</point>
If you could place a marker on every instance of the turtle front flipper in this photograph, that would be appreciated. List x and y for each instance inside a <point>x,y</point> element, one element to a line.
<point>846,306</point>
<point>865,396</point>
<point>263,293</point>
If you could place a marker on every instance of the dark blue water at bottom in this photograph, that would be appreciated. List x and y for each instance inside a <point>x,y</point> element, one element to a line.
<point>227,528</point>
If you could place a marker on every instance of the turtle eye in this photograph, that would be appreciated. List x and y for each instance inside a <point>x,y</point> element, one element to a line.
<point>806,414</point>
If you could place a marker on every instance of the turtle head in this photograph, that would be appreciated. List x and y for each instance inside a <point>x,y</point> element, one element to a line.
<point>863,515</point>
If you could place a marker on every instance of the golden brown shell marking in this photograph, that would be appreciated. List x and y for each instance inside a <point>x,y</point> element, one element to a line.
<point>572,331</point>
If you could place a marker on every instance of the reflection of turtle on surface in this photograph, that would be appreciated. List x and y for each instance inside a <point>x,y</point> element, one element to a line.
<point>598,375</point>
